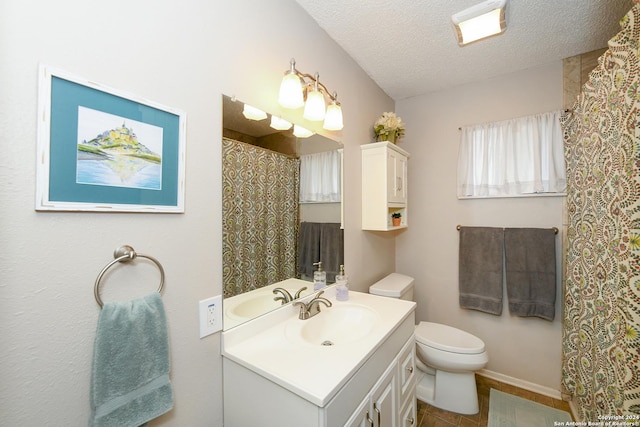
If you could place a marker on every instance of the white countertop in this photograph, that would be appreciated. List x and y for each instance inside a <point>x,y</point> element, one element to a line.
<point>313,372</point>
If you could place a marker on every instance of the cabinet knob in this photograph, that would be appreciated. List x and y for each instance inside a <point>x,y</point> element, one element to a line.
<point>410,369</point>
<point>410,420</point>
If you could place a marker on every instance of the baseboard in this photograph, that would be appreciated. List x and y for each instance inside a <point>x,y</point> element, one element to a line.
<point>536,388</point>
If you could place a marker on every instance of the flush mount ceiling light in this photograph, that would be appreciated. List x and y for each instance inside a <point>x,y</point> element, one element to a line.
<point>480,21</point>
<point>297,86</point>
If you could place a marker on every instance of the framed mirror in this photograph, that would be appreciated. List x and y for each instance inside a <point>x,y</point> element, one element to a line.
<point>281,212</point>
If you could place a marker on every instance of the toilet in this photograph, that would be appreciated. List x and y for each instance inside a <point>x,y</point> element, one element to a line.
<point>447,357</point>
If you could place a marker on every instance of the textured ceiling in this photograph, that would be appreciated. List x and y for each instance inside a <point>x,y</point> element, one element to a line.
<point>408,47</point>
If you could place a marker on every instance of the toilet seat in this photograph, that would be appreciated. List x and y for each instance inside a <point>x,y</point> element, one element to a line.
<point>448,338</point>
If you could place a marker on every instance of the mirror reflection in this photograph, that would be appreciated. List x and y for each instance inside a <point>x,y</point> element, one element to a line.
<point>281,212</point>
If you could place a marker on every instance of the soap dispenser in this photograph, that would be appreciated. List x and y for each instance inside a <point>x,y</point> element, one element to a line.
<point>319,277</point>
<point>342,285</point>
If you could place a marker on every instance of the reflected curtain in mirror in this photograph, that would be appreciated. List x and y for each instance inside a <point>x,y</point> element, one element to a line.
<point>320,177</point>
<point>260,191</point>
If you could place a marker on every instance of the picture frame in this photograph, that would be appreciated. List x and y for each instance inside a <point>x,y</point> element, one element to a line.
<point>103,150</point>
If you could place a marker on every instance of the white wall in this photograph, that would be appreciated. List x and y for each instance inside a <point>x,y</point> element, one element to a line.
<point>183,55</point>
<point>524,348</point>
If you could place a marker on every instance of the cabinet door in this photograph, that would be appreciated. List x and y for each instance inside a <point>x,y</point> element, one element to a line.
<point>385,400</point>
<point>362,416</point>
<point>397,177</point>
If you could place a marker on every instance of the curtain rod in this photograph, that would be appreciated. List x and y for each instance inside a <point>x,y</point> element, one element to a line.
<point>566,110</point>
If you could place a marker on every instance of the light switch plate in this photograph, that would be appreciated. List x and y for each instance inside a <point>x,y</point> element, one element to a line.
<point>210,315</point>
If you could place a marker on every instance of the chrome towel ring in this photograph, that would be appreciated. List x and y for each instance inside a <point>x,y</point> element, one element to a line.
<point>125,254</point>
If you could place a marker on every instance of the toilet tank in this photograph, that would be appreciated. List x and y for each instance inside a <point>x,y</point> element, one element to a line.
<point>395,285</point>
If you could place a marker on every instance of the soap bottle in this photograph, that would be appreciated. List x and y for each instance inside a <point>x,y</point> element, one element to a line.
<point>319,277</point>
<point>342,285</point>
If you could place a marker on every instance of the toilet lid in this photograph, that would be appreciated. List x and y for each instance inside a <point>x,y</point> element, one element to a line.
<point>448,338</point>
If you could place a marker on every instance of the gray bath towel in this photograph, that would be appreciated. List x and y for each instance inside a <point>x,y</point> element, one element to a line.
<point>480,269</point>
<point>130,377</point>
<point>530,255</point>
<point>324,242</point>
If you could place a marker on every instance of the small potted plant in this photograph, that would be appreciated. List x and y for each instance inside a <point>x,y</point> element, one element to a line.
<point>388,127</point>
<point>396,217</point>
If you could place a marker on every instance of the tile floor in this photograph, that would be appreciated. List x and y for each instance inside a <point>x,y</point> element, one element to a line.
<point>428,416</point>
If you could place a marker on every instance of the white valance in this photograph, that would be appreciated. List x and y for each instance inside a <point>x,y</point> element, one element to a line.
<point>510,158</point>
<point>320,177</point>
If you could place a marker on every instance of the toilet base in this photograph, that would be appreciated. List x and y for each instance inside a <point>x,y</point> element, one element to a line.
<point>455,392</point>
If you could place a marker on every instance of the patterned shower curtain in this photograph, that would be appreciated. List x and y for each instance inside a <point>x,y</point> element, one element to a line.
<point>601,335</point>
<point>260,217</point>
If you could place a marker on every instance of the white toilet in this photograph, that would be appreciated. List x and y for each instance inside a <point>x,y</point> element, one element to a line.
<point>446,357</point>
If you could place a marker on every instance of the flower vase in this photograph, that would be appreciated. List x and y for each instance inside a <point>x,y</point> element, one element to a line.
<point>391,137</point>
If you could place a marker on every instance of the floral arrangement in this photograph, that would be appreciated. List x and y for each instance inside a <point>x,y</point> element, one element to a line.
<point>388,127</point>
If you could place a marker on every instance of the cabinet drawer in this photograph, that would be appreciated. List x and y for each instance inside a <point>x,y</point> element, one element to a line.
<point>409,412</point>
<point>407,367</point>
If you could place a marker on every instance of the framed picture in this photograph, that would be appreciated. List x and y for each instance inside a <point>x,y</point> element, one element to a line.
<point>100,149</point>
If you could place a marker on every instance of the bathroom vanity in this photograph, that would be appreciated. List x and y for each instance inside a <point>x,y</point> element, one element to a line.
<point>351,364</point>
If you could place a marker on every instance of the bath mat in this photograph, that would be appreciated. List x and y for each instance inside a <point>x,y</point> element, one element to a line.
<point>506,410</point>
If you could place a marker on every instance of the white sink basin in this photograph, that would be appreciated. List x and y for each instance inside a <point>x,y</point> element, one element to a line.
<point>336,325</point>
<point>255,306</point>
<point>289,351</point>
<point>247,306</point>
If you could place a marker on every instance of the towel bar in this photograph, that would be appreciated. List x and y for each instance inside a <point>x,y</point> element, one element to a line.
<point>555,229</point>
<point>125,254</point>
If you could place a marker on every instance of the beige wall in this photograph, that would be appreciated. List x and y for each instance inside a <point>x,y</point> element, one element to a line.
<point>523,348</point>
<point>184,56</point>
<point>575,73</point>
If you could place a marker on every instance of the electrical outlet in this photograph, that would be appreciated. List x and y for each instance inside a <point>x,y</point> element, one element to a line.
<point>210,315</point>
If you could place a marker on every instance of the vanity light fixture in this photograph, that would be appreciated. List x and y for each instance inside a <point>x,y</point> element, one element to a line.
<point>301,132</point>
<point>297,86</point>
<point>280,124</point>
<point>333,117</point>
<point>314,108</point>
<point>253,113</point>
<point>480,21</point>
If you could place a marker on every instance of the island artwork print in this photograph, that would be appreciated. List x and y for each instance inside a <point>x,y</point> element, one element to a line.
<point>119,152</point>
<point>101,149</point>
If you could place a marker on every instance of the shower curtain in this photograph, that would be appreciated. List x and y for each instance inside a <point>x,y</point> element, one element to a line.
<point>260,214</point>
<point>601,331</point>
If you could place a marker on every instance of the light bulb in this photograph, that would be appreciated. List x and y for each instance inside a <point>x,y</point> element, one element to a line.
<point>301,132</point>
<point>333,118</point>
<point>314,108</point>
<point>280,124</point>
<point>291,91</point>
<point>252,113</point>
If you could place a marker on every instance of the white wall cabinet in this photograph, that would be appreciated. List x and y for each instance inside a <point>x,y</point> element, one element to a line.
<point>384,186</point>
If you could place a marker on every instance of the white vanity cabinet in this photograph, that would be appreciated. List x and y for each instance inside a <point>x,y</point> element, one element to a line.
<point>270,383</point>
<point>384,185</point>
<point>381,408</point>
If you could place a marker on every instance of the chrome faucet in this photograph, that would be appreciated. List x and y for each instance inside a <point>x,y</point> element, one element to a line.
<point>299,292</point>
<point>286,296</point>
<point>312,308</point>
